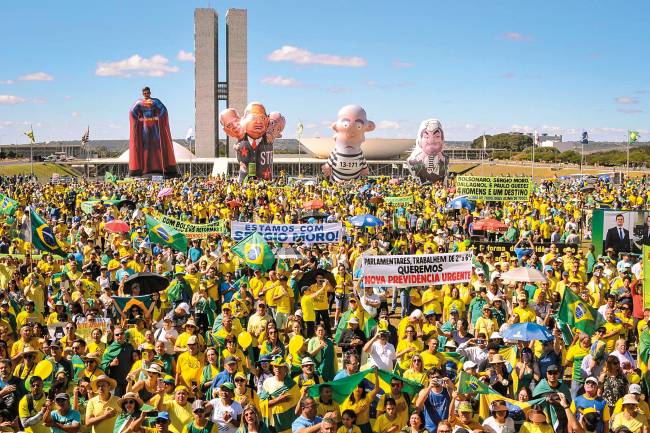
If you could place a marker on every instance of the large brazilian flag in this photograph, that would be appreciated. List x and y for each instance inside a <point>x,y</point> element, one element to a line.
<point>165,235</point>
<point>43,237</point>
<point>578,314</point>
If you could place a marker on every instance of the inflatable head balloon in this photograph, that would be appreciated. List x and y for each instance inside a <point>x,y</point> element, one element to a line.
<point>255,121</point>
<point>427,161</point>
<point>231,123</point>
<point>346,162</point>
<point>276,126</point>
<point>255,146</point>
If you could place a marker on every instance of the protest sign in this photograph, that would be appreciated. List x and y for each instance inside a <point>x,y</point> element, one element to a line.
<point>289,233</point>
<point>194,231</point>
<point>398,200</point>
<point>496,248</point>
<point>417,270</point>
<point>494,188</point>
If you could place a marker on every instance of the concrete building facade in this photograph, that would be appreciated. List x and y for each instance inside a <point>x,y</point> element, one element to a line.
<point>206,73</point>
<point>208,89</point>
<point>236,62</point>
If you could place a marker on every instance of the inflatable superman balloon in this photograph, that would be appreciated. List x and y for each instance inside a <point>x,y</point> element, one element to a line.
<point>346,162</point>
<point>427,161</point>
<point>150,141</point>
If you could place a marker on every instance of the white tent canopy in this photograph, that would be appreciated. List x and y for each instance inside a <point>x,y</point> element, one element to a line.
<point>181,153</point>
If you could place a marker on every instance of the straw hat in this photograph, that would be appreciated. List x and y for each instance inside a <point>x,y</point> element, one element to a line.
<point>631,399</point>
<point>103,378</point>
<point>497,358</point>
<point>131,396</point>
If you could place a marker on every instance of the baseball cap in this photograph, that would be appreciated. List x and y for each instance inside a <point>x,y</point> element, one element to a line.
<point>198,404</point>
<point>227,385</point>
<point>468,365</point>
<point>162,417</point>
<point>230,360</point>
<point>552,368</point>
<point>635,388</point>
<point>592,379</point>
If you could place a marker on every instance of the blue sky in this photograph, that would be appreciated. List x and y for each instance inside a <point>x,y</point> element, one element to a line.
<point>560,67</point>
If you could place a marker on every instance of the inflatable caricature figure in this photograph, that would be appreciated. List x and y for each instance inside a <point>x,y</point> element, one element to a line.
<point>427,160</point>
<point>254,149</point>
<point>276,126</point>
<point>346,162</point>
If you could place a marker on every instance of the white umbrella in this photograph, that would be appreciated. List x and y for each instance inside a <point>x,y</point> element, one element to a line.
<point>529,275</point>
<point>288,253</point>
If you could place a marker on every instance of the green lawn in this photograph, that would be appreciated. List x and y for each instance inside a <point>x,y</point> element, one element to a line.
<point>42,170</point>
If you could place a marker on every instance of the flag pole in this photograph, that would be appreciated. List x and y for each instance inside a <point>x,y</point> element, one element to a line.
<point>532,165</point>
<point>627,163</point>
<point>31,150</point>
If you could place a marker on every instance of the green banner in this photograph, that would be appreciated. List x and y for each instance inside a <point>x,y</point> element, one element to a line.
<point>646,276</point>
<point>194,231</point>
<point>495,188</point>
<point>88,206</point>
<point>399,200</point>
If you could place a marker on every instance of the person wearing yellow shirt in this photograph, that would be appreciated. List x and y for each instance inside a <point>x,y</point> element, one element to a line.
<point>282,301</point>
<point>430,357</point>
<point>268,289</point>
<point>31,415</point>
<point>256,283</point>
<point>179,410</point>
<point>486,324</point>
<point>321,302</point>
<point>102,409</point>
<point>359,402</point>
<point>389,422</point>
<point>190,364</point>
<point>191,330</point>
<point>525,313</point>
<point>635,389</point>
<point>613,330</point>
<point>28,315</point>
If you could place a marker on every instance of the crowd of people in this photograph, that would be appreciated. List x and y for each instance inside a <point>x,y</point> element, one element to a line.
<point>225,348</point>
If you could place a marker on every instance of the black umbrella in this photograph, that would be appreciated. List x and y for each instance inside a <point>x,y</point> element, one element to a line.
<point>149,283</point>
<point>309,277</point>
<point>313,214</point>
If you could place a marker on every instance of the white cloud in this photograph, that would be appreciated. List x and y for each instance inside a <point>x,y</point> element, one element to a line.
<point>38,101</point>
<point>281,81</point>
<point>36,76</point>
<point>387,124</point>
<point>630,110</point>
<point>75,114</point>
<point>400,64</point>
<point>67,97</point>
<point>515,36</point>
<point>6,81</point>
<point>11,100</point>
<point>507,75</point>
<point>626,100</point>
<point>155,66</point>
<point>301,56</point>
<point>311,126</point>
<point>338,89</point>
<point>184,56</point>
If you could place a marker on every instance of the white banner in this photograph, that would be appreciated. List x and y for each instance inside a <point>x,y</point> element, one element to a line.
<point>417,270</point>
<point>325,233</point>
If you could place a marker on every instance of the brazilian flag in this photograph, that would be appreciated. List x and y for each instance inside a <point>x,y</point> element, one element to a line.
<point>43,237</point>
<point>7,205</point>
<point>255,252</point>
<point>125,303</point>
<point>578,314</point>
<point>165,235</point>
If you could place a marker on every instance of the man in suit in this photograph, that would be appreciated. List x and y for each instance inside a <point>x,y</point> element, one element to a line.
<point>618,237</point>
<point>645,238</point>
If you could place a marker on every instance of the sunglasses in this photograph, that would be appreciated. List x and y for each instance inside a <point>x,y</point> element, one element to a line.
<point>61,400</point>
<point>129,402</point>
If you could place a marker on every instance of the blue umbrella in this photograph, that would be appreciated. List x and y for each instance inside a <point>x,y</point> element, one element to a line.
<point>365,221</point>
<point>527,332</point>
<point>460,203</point>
